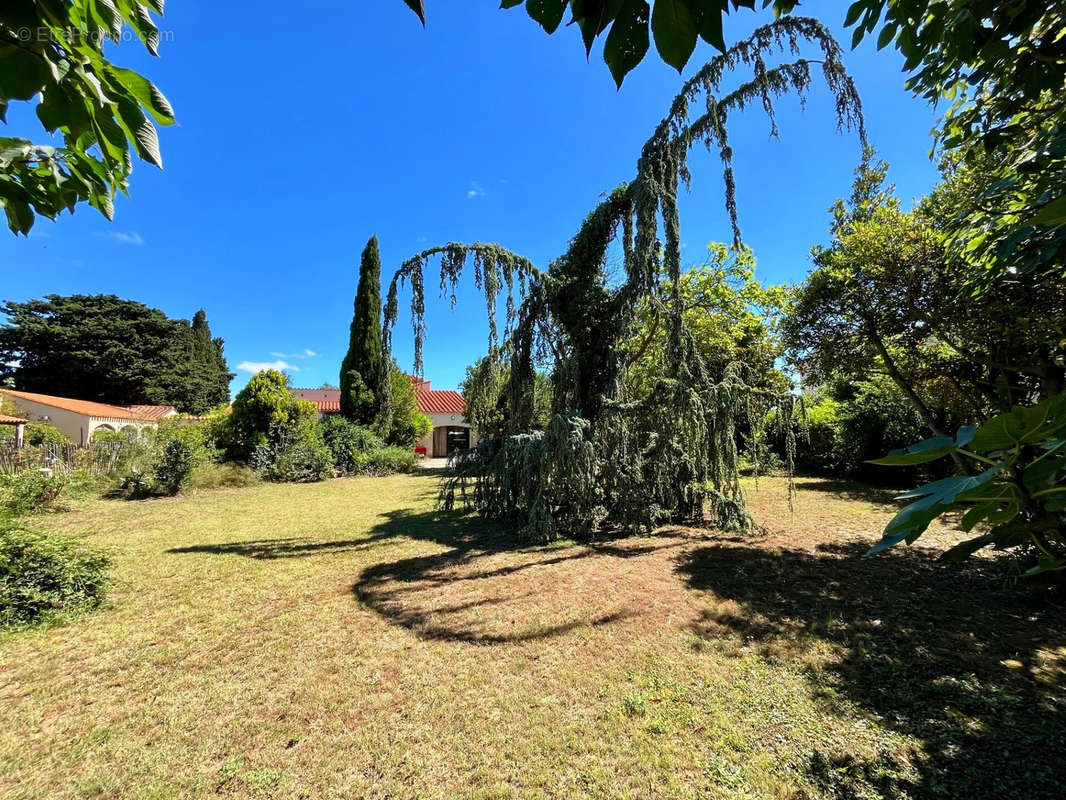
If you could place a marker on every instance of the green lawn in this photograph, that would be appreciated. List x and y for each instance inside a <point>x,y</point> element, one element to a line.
<point>340,640</point>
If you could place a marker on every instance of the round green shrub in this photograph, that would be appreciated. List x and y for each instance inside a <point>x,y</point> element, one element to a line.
<point>386,461</point>
<point>178,450</point>
<point>32,491</point>
<point>292,454</point>
<point>38,433</point>
<point>347,442</point>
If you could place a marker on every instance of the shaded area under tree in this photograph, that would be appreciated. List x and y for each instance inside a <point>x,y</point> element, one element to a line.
<point>948,655</point>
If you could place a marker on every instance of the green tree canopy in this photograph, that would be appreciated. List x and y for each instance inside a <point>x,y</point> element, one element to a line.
<point>104,348</point>
<point>887,298</point>
<point>266,410</point>
<point>361,370</point>
<point>731,317</point>
<point>104,113</point>
<point>1001,68</point>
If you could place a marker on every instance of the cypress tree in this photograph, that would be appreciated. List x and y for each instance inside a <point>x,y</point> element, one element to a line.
<point>211,363</point>
<point>361,369</point>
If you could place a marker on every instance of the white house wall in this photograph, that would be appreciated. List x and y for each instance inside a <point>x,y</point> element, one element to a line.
<point>79,428</point>
<point>76,427</point>
<point>445,421</point>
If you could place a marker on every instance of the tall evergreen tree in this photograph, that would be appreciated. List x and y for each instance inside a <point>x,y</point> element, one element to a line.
<point>361,369</point>
<point>211,362</point>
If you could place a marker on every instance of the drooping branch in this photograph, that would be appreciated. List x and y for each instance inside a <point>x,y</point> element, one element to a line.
<point>661,168</point>
<point>494,267</point>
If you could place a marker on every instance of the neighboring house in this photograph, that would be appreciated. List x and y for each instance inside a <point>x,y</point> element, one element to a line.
<point>445,408</point>
<point>328,401</point>
<point>19,424</point>
<point>153,413</point>
<point>80,419</point>
<point>451,431</point>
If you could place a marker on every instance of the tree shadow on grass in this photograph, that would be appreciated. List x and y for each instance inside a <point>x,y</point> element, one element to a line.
<point>419,593</point>
<point>950,656</point>
<point>852,490</point>
<point>269,549</point>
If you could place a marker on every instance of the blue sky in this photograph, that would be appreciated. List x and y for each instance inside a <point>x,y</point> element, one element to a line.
<point>301,133</point>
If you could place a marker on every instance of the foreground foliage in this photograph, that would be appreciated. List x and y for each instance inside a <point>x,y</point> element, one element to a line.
<point>104,112</point>
<point>32,491</point>
<point>44,576</point>
<point>1020,495</point>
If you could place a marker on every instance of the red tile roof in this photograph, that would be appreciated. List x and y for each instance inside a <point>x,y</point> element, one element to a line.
<point>6,420</point>
<point>438,401</point>
<point>85,407</point>
<point>153,413</point>
<point>430,401</point>
<point>319,395</point>
<point>328,401</point>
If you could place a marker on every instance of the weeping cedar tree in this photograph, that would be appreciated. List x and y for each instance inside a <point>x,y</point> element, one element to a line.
<point>362,369</point>
<point>610,457</point>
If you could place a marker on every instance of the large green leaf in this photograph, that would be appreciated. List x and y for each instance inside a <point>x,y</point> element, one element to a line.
<point>592,18</point>
<point>929,450</point>
<point>628,40</point>
<point>964,550</point>
<point>1054,213</point>
<point>1048,470</point>
<point>22,74</point>
<point>146,93</point>
<point>549,13</point>
<point>935,499</point>
<point>674,29</point>
<point>1031,425</point>
<point>709,24</point>
<point>419,7</point>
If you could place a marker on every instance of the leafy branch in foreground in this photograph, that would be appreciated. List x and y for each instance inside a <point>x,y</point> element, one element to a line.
<point>675,25</point>
<point>1001,67</point>
<point>1020,494</point>
<point>55,50</point>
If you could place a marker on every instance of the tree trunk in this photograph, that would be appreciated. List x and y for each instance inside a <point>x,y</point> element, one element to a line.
<point>908,391</point>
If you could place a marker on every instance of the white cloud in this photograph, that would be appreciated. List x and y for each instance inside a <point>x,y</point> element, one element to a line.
<point>259,366</point>
<point>307,353</point>
<point>126,238</point>
<point>475,190</point>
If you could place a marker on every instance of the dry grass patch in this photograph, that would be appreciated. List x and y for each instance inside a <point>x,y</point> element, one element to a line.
<point>341,640</point>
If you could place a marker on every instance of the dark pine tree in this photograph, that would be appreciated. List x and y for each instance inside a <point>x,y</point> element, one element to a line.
<point>361,369</point>
<point>104,348</point>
